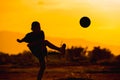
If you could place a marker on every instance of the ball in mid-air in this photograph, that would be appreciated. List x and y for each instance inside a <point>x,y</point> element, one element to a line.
<point>85,22</point>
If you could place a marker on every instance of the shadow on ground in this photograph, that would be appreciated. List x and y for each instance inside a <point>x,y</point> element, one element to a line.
<point>74,79</point>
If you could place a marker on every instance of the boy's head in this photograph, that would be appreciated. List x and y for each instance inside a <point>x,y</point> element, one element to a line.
<point>35,26</point>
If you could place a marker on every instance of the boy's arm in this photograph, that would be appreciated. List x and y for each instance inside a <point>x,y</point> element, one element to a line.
<point>18,40</point>
<point>25,39</point>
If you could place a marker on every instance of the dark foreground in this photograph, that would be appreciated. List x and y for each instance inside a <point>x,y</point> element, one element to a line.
<point>93,72</point>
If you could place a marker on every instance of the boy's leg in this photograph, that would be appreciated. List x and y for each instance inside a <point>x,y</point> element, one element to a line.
<point>42,69</point>
<point>52,46</point>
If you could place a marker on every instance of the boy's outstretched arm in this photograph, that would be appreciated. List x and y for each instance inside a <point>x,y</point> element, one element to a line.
<point>25,39</point>
<point>18,40</point>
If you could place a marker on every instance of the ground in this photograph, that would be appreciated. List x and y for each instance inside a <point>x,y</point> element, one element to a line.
<point>92,72</point>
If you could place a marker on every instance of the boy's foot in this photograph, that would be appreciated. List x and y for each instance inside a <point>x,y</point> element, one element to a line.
<point>62,49</point>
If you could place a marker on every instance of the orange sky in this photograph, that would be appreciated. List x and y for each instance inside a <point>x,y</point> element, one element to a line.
<point>60,18</point>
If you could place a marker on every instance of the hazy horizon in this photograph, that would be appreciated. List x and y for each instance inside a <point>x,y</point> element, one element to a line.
<point>10,45</point>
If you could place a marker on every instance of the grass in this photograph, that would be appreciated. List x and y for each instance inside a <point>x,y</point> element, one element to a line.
<point>92,72</point>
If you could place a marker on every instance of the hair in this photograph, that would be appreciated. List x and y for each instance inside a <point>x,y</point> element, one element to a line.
<point>35,24</point>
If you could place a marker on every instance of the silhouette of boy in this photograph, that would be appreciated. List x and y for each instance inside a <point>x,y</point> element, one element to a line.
<point>37,45</point>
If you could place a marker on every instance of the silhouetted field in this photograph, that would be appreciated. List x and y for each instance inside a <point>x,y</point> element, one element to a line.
<point>88,72</point>
<point>76,64</point>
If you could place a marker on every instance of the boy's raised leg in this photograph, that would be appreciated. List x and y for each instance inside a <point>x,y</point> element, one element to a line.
<point>52,46</point>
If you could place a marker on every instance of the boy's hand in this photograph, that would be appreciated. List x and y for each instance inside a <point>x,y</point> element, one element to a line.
<point>28,45</point>
<point>18,40</point>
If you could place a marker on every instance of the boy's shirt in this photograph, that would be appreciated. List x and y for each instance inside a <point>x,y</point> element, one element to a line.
<point>33,37</point>
<point>39,46</point>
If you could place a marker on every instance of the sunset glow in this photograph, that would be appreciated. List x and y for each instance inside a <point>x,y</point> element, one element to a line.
<point>60,18</point>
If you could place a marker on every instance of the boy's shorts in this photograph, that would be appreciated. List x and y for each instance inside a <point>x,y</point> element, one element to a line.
<point>38,51</point>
